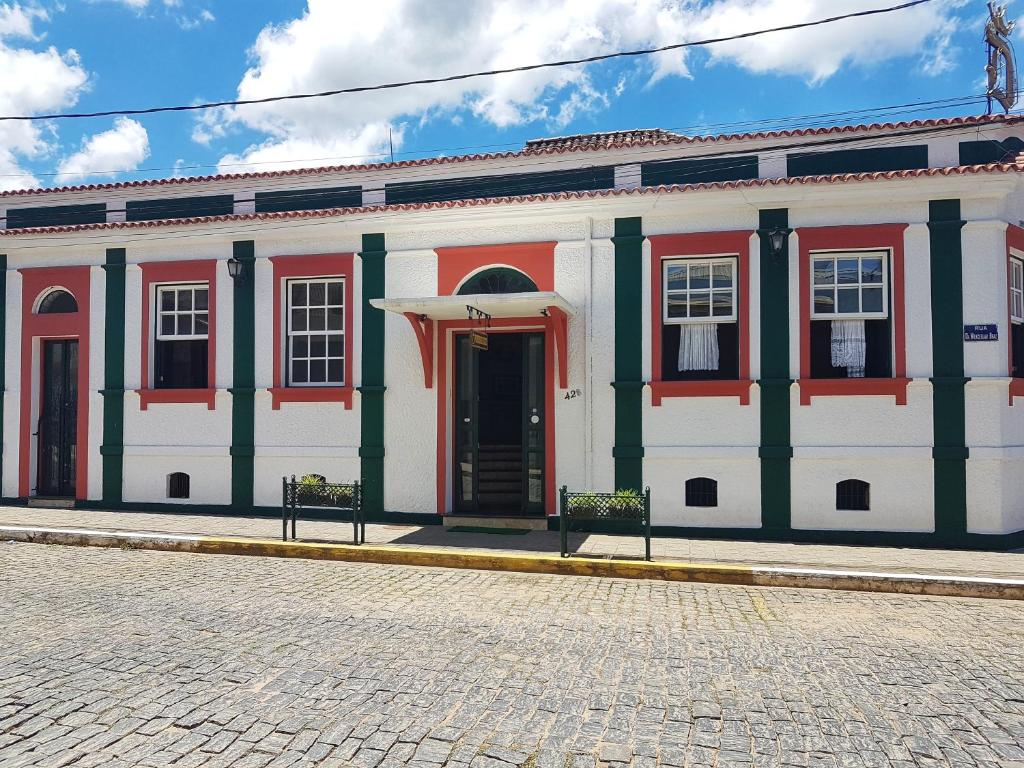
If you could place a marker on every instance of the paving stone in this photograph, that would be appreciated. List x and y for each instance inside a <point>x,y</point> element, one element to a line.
<point>221,662</point>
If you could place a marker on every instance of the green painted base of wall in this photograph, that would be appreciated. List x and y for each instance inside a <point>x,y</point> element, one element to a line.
<point>968,541</point>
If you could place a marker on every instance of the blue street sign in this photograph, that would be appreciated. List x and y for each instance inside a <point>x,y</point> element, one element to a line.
<point>988,332</point>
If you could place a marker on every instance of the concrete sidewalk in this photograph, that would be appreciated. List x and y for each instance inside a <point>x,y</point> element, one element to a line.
<point>952,563</point>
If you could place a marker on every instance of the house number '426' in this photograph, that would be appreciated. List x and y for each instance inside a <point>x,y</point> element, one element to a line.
<point>573,393</point>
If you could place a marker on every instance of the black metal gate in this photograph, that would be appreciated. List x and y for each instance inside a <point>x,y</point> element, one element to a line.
<point>58,418</point>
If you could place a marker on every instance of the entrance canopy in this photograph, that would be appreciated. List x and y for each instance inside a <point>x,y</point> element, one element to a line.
<point>546,308</point>
<point>497,305</point>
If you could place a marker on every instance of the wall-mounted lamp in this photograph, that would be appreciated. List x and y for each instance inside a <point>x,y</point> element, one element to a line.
<point>235,268</point>
<point>778,237</point>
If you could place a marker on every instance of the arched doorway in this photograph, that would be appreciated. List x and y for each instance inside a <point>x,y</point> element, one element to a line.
<point>54,383</point>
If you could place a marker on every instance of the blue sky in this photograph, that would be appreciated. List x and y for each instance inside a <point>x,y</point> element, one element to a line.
<point>101,54</point>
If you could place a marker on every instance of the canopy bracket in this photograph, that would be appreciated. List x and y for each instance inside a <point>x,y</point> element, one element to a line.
<point>424,328</point>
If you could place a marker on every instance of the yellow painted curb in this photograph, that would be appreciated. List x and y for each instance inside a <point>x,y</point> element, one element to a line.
<point>800,578</point>
<point>478,560</point>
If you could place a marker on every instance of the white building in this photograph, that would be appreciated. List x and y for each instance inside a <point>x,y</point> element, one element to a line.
<point>798,335</point>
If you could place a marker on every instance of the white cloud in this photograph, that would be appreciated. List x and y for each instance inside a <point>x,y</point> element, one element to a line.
<point>343,44</point>
<point>817,53</point>
<point>16,20</point>
<point>121,148</point>
<point>336,45</point>
<point>135,5</point>
<point>33,82</point>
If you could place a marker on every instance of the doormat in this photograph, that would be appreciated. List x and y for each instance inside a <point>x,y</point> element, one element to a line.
<point>482,529</point>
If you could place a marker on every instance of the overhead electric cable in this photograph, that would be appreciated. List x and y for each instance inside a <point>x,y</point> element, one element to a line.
<point>466,75</point>
<point>769,124</point>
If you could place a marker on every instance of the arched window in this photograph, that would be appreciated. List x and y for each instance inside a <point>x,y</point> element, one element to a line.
<point>177,485</point>
<point>854,495</point>
<point>498,280</point>
<point>57,302</point>
<point>701,492</point>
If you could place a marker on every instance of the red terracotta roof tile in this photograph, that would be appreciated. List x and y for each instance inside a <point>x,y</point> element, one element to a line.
<point>963,170</point>
<point>549,146</point>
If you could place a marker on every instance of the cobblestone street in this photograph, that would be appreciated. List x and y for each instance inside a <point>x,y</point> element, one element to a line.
<point>131,658</point>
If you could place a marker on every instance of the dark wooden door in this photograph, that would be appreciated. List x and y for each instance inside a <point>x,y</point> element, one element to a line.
<point>467,408</point>
<point>534,427</point>
<point>58,418</point>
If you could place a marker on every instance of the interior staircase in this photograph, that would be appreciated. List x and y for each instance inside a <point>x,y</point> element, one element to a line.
<point>500,478</point>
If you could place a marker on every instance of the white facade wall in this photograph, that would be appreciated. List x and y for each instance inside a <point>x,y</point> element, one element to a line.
<point>834,437</point>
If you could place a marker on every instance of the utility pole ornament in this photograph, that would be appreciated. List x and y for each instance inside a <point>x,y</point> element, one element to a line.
<point>1000,66</point>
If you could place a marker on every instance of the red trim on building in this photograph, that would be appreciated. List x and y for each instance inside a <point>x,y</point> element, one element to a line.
<point>887,237</point>
<point>535,260</point>
<point>446,424</point>
<point>560,325</point>
<point>700,244</point>
<point>165,273</point>
<point>423,327</point>
<point>72,325</point>
<point>313,265</point>
<point>1014,240</point>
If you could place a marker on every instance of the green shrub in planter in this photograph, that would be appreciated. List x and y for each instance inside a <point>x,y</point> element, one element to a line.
<point>586,504</point>
<point>312,491</point>
<point>627,503</point>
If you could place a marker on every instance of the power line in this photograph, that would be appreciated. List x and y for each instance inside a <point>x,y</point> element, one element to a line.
<point>762,124</point>
<point>466,75</point>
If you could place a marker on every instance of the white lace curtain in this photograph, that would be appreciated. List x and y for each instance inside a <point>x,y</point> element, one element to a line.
<point>698,347</point>
<point>848,346</point>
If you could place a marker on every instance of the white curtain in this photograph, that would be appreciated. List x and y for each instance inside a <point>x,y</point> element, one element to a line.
<point>848,346</point>
<point>698,347</point>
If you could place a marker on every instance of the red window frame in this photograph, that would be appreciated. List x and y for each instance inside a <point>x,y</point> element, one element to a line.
<point>1014,242</point>
<point>166,273</point>
<point>695,245</point>
<point>312,266</point>
<point>888,237</point>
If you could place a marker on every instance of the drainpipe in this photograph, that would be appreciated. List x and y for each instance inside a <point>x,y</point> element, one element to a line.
<point>588,386</point>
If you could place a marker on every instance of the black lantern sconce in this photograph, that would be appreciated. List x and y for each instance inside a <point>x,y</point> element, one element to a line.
<point>778,238</point>
<point>236,269</point>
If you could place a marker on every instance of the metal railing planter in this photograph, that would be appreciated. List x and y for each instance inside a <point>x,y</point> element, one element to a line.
<point>587,511</point>
<point>314,492</point>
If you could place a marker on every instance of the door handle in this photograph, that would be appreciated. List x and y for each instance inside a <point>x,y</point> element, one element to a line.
<point>465,419</point>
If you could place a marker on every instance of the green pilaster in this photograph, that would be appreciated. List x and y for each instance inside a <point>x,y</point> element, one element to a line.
<point>775,451</point>
<point>3,345</point>
<point>948,381</point>
<point>112,449</point>
<point>243,392</point>
<point>371,448</point>
<point>629,438</point>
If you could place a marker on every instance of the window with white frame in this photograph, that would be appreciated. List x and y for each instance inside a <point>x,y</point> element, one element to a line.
<point>850,327</point>
<point>850,285</point>
<point>316,332</point>
<point>182,332</point>
<point>1016,317</point>
<point>699,290</point>
<point>700,339</point>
